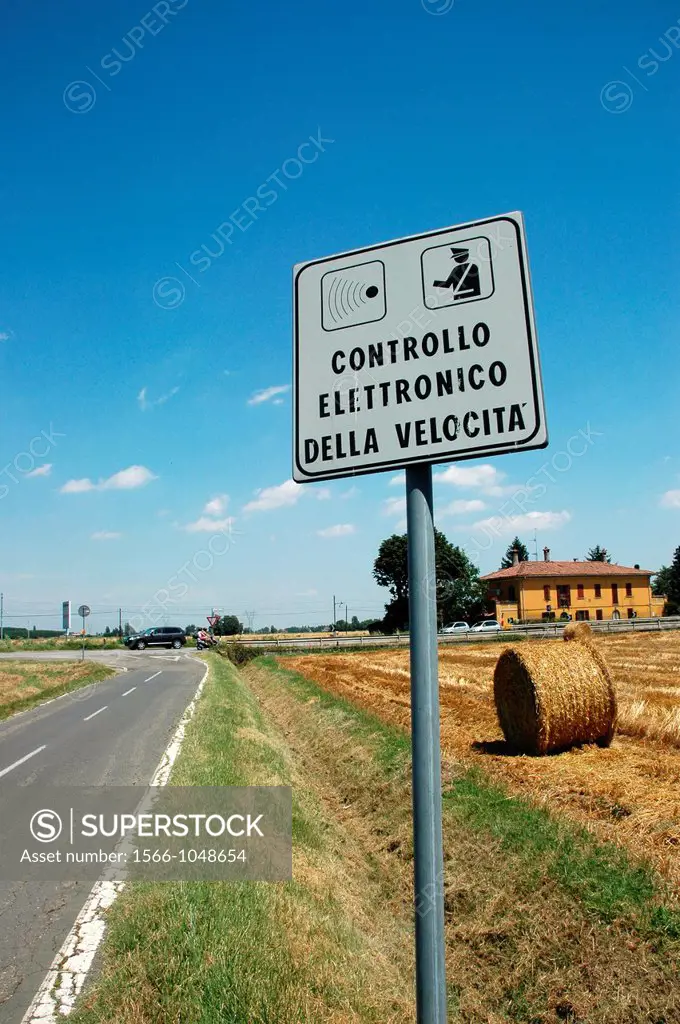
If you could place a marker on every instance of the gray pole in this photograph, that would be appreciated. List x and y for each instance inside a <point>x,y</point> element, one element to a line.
<point>425,739</point>
<point>334,613</point>
<point>2,612</point>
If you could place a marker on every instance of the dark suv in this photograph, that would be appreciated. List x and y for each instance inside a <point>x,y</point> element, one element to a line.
<point>157,636</point>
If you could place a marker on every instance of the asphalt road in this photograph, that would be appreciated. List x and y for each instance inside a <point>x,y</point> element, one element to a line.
<point>113,733</point>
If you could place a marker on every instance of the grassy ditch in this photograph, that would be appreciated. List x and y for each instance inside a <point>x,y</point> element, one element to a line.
<point>24,684</point>
<point>543,923</point>
<point>251,953</point>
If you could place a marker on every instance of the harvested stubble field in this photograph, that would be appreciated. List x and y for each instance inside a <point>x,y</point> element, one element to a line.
<point>24,683</point>
<point>628,793</point>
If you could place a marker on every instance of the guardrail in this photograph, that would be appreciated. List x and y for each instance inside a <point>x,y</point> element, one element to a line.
<point>540,630</point>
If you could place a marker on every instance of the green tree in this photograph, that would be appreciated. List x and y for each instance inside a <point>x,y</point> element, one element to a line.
<point>127,629</point>
<point>390,568</point>
<point>598,554</point>
<point>191,629</point>
<point>661,581</point>
<point>673,588</point>
<point>228,625</point>
<point>521,549</point>
<point>456,586</point>
<point>463,597</point>
<point>107,631</point>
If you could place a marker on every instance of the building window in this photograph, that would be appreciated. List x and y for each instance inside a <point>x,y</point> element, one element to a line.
<point>616,614</point>
<point>582,614</point>
<point>632,614</point>
<point>598,614</point>
<point>564,595</point>
<point>546,593</point>
<point>629,589</point>
<point>579,589</point>
<point>511,593</point>
<point>615,593</point>
<point>598,590</point>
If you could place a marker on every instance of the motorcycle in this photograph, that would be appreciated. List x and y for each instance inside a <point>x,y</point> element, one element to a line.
<point>204,645</point>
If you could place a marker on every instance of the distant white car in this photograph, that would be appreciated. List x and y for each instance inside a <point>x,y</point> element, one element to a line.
<point>456,627</point>
<point>486,626</point>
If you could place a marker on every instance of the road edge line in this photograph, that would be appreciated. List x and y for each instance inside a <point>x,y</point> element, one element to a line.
<point>62,985</point>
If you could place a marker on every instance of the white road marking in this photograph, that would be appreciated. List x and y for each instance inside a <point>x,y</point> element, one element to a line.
<point>21,760</point>
<point>95,713</point>
<point>67,975</point>
<point>153,676</point>
<point>128,691</point>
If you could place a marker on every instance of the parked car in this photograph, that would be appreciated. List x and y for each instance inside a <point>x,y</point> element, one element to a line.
<point>456,627</point>
<point>487,626</point>
<point>157,636</point>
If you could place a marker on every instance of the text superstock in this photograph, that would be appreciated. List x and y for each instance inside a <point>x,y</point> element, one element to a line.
<point>418,350</point>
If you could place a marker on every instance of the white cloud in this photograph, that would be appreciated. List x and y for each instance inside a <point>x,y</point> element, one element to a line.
<point>280,496</point>
<point>671,499</point>
<point>264,396</point>
<point>128,479</point>
<point>400,480</point>
<point>104,535</point>
<point>394,506</point>
<point>501,525</point>
<point>5,336</point>
<point>461,506</point>
<point>205,525</point>
<point>217,505</point>
<point>144,403</point>
<point>124,480</point>
<point>78,486</point>
<point>486,478</point>
<point>322,494</point>
<point>307,593</point>
<point>41,470</point>
<point>351,492</point>
<point>340,530</point>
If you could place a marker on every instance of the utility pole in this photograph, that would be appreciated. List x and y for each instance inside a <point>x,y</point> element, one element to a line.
<point>120,622</point>
<point>2,611</point>
<point>334,613</point>
<point>346,619</point>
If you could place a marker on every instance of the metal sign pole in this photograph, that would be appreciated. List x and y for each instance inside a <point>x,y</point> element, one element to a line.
<point>425,740</point>
<point>82,653</point>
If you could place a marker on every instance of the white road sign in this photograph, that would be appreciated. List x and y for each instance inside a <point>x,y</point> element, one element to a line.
<point>419,350</point>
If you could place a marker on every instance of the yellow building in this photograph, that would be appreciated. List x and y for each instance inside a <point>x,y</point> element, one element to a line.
<point>539,591</point>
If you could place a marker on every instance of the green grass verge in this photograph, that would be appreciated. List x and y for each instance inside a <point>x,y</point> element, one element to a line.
<point>51,680</point>
<point>602,877</point>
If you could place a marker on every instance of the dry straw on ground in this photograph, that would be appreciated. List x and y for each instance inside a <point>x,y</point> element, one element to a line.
<point>550,696</point>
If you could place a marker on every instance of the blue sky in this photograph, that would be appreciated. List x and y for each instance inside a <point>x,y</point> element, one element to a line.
<point>130,135</point>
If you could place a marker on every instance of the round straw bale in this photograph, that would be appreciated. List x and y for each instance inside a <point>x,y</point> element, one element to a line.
<point>577,631</point>
<point>550,696</point>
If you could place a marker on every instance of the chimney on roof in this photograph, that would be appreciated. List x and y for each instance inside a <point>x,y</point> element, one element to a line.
<point>546,554</point>
<point>637,565</point>
<point>515,556</point>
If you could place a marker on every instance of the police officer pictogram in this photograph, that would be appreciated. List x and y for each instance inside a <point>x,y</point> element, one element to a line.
<point>455,274</point>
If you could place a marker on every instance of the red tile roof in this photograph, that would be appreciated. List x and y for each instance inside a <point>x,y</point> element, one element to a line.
<point>574,569</point>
